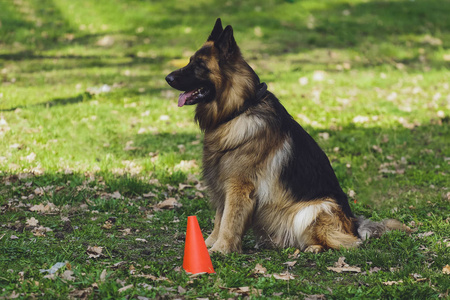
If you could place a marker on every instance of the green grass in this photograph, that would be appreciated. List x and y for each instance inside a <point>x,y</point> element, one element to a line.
<point>383,99</point>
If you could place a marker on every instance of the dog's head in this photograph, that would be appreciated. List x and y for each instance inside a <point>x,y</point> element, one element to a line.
<point>203,77</point>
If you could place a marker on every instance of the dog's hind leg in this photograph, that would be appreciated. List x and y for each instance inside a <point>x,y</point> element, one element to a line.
<point>236,217</point>
<point>334,231</point>
<point>215,233</point>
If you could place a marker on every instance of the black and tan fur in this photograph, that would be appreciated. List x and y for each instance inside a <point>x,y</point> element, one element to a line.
<point>262,169</point>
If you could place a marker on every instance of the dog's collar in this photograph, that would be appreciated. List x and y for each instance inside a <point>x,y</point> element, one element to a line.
<point>260,92</point>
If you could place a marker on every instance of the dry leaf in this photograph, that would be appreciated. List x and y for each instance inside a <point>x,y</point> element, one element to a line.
<point>315,297</point>
<point>168,204</point>
<point>149,195</point>
<point>183,186</point>
<point>123,289</point>
<point>67,275</point>
<point>81,294</point>
<point>32,222</point>
<point>345,269</point>
<point>147,276</point>
<point>40,231</point>
<point>108,225</point>
<point>259,269</point>
<point>44,208</point>
<point>284,276</point>
<point>295,254</point>
<point>94,252</point>
<point>244,291</point>
<point>103,276</point>
<point>125,231</point>
<point>341,266</point>
<point>290,263</point>
<point>116,195</point>
<point>186,165</point>
<point>417,277</point>
<point>141,240</point>
<point>446,269</point>
<point>392,282</point>
<point>425,234</point>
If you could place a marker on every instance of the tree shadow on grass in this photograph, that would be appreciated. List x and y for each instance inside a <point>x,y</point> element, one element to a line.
<point>333,25</point>
<point>55,102</point>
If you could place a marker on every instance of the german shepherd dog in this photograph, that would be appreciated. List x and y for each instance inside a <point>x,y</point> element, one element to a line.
<point>262,169</point>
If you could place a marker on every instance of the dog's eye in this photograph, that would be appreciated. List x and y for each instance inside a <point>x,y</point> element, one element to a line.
<point>201,64</point>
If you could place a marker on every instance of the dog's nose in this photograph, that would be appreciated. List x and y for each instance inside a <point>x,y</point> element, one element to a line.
<point>170,78</point>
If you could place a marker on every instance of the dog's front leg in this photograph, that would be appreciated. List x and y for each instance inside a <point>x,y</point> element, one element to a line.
<point>236,216</point>
<point>215,233</point>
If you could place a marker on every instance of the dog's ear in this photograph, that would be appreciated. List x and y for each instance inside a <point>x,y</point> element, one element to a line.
<point>226,44</point>
<point>217,31</point>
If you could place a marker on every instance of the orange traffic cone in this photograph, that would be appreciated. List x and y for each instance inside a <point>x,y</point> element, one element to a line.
<point>196,256</point>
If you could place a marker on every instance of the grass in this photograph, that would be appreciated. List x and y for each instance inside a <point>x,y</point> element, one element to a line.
<point>369,80</point>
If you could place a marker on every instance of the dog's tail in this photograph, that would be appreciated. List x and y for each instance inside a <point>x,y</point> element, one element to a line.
<point>367,228</point>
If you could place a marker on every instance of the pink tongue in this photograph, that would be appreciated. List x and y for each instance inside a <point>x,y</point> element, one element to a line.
<point>183,97</point>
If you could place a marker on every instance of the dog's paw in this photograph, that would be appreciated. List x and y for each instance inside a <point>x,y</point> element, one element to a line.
<point>210,241</point>
<point>224,248</point>
<point>314,249</point>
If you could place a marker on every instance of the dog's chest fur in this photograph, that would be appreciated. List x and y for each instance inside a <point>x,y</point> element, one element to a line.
<point>245,149</point>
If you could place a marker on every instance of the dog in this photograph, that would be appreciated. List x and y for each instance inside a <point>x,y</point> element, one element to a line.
<point>262,169</point>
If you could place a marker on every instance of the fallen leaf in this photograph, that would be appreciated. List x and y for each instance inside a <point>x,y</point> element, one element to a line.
<point>127,287</point>
<point>67,275</point>
<point>341,266</point>
<point>392,282</point>
<point>106,41</point>
<point>425,234</point>
<point>108,225</point>
<point>183,186</point>
<point>44,208</point>
<point>141,240</point>
<point>295,254</point>
<point>446,269</point>
<point>40,231</point>
<point>81,294</point>
<point>32,222</point>
<point>324,135</point>
<point>417,277</point>
<point>13,237</point>
<point>116,195</point>
<point>186,165</point>
<point>168,204</point>
<point>284,276</point>
<point>345,269</point>
<point>290,263</point>
<point>103,276</point>
<point>149,195</point>
<point>147,276</point>
<point>132,269</point>
<point>315,297</point>
<point>13,295</point>
<point>94,252</point>
<point>259,269</point>
<point>244,291</point>
<point>125,231</point>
